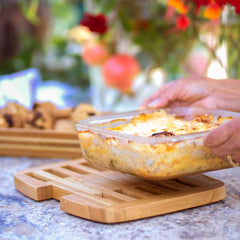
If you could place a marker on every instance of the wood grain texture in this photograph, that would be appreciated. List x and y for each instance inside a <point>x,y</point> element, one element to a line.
<point>39,143</point>
<point>108,196</point>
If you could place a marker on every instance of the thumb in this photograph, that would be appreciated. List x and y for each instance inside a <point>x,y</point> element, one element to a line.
<point>219,135</point>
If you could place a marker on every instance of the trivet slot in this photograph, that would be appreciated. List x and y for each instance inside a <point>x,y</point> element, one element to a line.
<point>76,169</point>
<point>65,172</point>
<point>88,164</point>
<point>173,185</point>
<point>57,171</point>
<point>88,169</point>
<point>133,192</point>
<point>118,197</point>
<point>150,190</point>
<point>33,178</point>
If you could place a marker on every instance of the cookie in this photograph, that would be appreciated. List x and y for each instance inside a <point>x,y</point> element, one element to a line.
<point>83,111</point>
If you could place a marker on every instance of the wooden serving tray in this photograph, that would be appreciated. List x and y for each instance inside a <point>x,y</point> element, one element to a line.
<point>109,196</point>
<point>39,143</point>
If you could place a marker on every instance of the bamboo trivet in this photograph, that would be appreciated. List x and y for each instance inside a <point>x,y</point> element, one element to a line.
<point>109,196</point>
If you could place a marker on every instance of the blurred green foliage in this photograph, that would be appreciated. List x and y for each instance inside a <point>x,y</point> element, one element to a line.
<point>56,58</point>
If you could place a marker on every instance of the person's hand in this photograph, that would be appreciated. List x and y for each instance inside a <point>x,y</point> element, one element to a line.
<point>203,92</point>
<point>224,141</point>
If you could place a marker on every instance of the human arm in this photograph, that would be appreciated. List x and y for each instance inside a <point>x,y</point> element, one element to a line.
<point>204,92</point>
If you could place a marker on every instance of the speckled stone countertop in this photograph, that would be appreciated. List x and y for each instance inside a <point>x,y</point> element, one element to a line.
<point>23,218</point>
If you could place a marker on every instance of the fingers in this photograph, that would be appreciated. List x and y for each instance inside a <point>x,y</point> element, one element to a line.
<point>218,136</point>
<point>223,133</point>
<point>151,98</point>
<point>233,158</point>
<point>161,97</point>
<point>225,140</point>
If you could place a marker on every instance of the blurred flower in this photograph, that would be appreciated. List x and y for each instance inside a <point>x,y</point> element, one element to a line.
<point>182,22</point>
<point>95,54</point>
<point>95,23</point>
<point>178,5</point>
<point>81,35</point>
<point>120,70</point>
<point>200,3</point>
<point>221,3</point>
<point>237,10</point>
<point>212,11</point>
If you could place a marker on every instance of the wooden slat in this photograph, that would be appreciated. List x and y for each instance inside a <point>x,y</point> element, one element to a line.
<point>103,181</point>
<point>33,188</point>
<point>43,148</point>
<point>42,153</point>
<point>49,177</point>
<point>100,187</point>
<point>109,196</point>
<point>22,132</point>
<point>202,180</point>
<point>36,140</point>
<point>64,188</point>
<point>118,176</point>
<point>39,143</point>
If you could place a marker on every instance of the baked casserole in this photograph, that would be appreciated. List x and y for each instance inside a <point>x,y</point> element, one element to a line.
<point>154,144</point>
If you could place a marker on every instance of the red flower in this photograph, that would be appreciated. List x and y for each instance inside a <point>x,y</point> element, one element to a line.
<point>182,22</point>
<point>200,3</point>
<point>95,23</point>
<point>235,3</point>
<point>237,10</point>
<point>221,3</point>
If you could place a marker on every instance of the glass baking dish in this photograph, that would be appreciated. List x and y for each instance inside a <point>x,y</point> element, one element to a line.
<point>150,158</point>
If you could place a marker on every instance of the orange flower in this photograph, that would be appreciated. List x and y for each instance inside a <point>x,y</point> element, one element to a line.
<point>178,5</point>
<point>212,11</point>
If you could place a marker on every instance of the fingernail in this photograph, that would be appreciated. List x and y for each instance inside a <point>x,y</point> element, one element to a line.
<point>153,104</point>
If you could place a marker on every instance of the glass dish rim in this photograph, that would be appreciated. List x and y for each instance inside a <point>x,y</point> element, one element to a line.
<point>87,125</point>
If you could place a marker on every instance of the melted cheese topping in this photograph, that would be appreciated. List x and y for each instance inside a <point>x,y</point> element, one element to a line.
<point>162,122</point>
